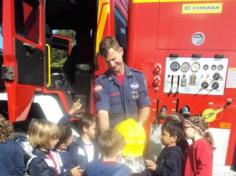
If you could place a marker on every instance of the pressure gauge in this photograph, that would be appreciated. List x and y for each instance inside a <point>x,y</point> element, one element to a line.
<point>195,67</point>
<point>174,66</point>
<point>185,67</point>
<point>213,67</point>
<point>220,67</point>
<point>205,67</point>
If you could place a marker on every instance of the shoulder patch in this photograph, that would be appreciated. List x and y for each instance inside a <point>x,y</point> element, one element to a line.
<point>98,88</point>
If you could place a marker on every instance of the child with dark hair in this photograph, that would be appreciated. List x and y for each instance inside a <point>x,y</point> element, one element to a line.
<point>68,167</point>
<point>84,149</point>
<point>199,156</point>
<point>110,143</point>
<point>11,154</point>
<point>170,160</point>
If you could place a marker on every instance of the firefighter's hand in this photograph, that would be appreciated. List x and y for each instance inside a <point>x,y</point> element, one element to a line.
<point>76,171</point>
<point>151,165</point>
<point>75,107</point>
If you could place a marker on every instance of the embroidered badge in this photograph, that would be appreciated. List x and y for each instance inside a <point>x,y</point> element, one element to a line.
<point>134,85</point>
<point>98,88</point>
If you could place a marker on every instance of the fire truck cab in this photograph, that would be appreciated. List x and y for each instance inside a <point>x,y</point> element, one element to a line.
<point>27,82</point>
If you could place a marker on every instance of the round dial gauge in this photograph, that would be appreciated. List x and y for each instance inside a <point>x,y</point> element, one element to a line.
<point>185,67</point>
<point>205,67</point>
<point>220,67</point>
<point>213,67</point>
<point>174,66</point>
<point>195,67</point>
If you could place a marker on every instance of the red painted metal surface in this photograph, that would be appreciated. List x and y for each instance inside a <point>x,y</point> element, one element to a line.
<point>159,29</point>
<point>19,96</point>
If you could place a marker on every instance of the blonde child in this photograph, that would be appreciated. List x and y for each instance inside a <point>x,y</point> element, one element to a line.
<point>199,155</point>
<point>43,136</point>
<point>11,154</point>
<point>110,143</point>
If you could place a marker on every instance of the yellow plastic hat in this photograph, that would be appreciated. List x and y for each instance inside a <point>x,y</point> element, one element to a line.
<point>134,135</point>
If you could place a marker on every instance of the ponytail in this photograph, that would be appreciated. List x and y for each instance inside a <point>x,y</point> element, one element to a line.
<point>208,137</point>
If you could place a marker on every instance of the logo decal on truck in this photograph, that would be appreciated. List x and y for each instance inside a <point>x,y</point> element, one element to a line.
<point>202,8</point>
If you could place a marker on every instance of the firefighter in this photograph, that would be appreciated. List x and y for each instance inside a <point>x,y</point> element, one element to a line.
<point>121,91</point>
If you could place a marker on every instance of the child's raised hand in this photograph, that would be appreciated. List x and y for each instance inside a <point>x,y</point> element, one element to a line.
<point>75,107</point>
<point>76,171</point>
<point>151,165</point>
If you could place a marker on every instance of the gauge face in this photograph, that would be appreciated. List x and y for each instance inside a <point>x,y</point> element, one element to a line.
<point>220,67</point>
<point>213,67</point>
<point>185,67</point>
<point>205,67</point>
<point>195,67</point>
<point>174,66</point>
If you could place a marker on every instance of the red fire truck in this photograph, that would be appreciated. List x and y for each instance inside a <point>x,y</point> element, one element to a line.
<point>186,48</point>
<point>27,79</point>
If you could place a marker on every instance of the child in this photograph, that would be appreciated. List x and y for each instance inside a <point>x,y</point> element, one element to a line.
<point>43,136</point>
<point>84,150</point>
<point>169,162</point>
<point>199,156</point>
<point>68,166</point>
<point>11,154</point>
<point>111,144</point>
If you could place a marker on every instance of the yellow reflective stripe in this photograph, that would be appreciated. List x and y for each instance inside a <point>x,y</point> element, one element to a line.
<point>103,11</point>
<point>156,1</point>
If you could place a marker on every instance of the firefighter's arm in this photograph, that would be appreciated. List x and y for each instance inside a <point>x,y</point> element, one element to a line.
<point>143,114</point>
<point>103,120</point>
<point>143,101</point>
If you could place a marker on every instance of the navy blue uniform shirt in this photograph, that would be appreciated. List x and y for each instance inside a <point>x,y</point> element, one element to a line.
<point>78,153</point>
<point>38,166</point>
<point>169,162</point>
<point>67,163</point>
<point>11,159</point>
<point>121,101</point>
<point>99,168</point>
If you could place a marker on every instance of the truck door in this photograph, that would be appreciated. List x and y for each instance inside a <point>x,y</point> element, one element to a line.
<point>23,46</point>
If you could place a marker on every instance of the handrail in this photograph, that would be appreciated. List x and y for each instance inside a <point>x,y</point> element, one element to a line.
<point>49,64</point>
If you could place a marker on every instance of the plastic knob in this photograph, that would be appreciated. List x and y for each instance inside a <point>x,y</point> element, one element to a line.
<point>156,82</point>
<point>157,69</point>
<point>204,85</point>
<point>216,76</point>
<point>215,85</point>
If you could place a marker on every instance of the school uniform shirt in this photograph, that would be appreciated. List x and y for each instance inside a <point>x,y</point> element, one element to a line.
<point>67,163</point>
<point>44,163</point>
<point>121,97</point>
<point>199,159</point>
<point>100,168</point>
<point>169,162</point>
<point>82,153</point>
<point>11,159</point>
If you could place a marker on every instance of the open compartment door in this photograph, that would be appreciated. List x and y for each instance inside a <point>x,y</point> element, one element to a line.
<point>23,60</point>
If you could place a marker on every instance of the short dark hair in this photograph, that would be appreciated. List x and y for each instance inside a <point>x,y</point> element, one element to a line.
<point>86,120</point>
<point>65,134</point>
<point>174,127</point>
<point>110,142</point>
<point>107,43</point>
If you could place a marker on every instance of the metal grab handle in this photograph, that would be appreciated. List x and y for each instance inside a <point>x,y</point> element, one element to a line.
<point>49,64</point>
